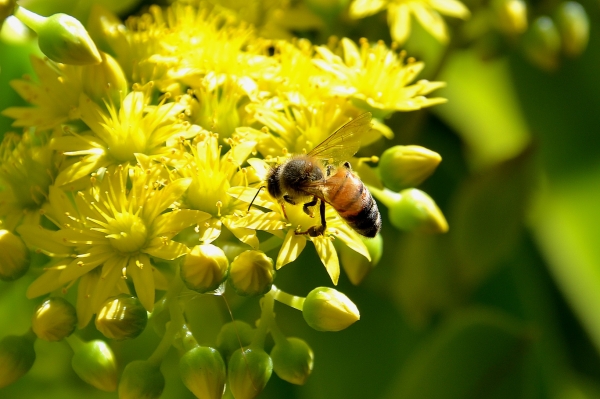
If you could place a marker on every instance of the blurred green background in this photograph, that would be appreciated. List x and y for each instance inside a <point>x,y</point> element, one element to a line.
<point>505,305</point>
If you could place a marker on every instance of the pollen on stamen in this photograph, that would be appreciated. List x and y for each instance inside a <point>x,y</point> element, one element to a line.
<point>219,205</point>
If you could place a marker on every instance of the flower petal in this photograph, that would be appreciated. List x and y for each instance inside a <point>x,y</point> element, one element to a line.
<point>247,236</point>
<point>292,247</point>
<point>172,223</point>
<point>45,283</point>
<point>140,269</point>
<point>364,8</point>
<point>39,238</point>
<point>399,22</point>
<point>165,249</point>
<point>328,255</point>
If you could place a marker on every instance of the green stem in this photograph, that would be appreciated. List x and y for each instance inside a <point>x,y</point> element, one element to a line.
<point>31,19</point>
<point>296,302</point>
<point>75,342</point>
<point>175,325</point>
<point>266,320</point>
<point>278,336</point>
<point>387,197</point>
<point>271,243</point>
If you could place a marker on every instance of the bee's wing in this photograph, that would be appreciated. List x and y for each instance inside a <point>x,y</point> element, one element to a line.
<point>344,142</point>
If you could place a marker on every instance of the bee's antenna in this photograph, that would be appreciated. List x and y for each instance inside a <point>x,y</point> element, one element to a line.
<point>256,195</point>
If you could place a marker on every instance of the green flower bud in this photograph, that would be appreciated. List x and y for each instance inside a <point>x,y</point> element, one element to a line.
<point>61,38</point>
<point>574,27</point>
<point>54,319</point>
<point>122,317</point>
<point>14,261</point>
<point>357,267</point>
<point>141,380</point>
<point>414,210</point>
<point>512,16</point>
<point>292,360</point>
<point>249,371</point>
<point>105,81</point>
<point>327,309</point>
<point>401,166</point>
<point>232,334</point>
<point>542,43</point>
<point>202,370</point>
<point>6,9</point>
<point>16,357</point>
<point>252,273</point>
<point>205,267</point>
<point>94,362</point>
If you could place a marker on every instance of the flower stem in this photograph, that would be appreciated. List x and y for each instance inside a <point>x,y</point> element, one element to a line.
<point>270,244</point>
<point>31,19</point>
<point>387,197</point>
<point>174,326</point>
<point>296,302</point>
<point>74,342</point>
<point>266,320</point>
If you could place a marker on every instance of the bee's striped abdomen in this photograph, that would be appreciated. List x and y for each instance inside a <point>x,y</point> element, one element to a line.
<point>353,202</point>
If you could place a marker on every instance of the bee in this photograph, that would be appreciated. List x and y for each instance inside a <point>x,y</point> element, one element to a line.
<point>324,175</point>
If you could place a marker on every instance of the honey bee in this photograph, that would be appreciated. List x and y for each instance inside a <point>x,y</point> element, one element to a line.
<point>324,175</point>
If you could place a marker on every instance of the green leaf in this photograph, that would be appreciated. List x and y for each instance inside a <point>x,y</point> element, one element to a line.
<point>471,355</point>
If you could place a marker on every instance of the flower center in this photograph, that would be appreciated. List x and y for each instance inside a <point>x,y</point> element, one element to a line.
<point>126,143</point>
<point>128,233</point>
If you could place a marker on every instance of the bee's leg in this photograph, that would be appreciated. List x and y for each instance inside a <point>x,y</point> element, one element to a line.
<point>315,231</point>
<point>289,199</point>
<point>322,212</point>
<point>307,205</point>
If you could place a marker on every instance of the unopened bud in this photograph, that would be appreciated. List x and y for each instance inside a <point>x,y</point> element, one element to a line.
<point>327,309</point>
<point>122,317</point>
<point>512,16</point>
<point>401,166</point>
<point>61,38</point>
<point>252,273</point>
<point>205,267</point>
<point>249,370</point>
<point>16,357</point>
<point>292,360</point>
<point>54,319</point>
<point>141,379</point>
<point>574,27</point>
<point>6,9</point>
<point>233,334</point>
<point>105,81</point>
<point>14,261</point>
<point>202,370</point>
<point>356,266</point>
<point>414,210</point>
<point>94,362</point>
<point>542,43</point>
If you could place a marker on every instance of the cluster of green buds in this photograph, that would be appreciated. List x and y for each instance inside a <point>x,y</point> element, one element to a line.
<point>118,187</point>
<point>542,38</point>
<point>565,32</point>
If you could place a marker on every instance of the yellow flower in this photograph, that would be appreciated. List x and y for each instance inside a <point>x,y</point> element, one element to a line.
<point>377,78</point>
<point>297,222</point>
<point>427,12</point>
<point>119,227</point>
<point>55,97</point>
<point>27,168</point>
<point>116,136</point>
<point>211,175</point>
